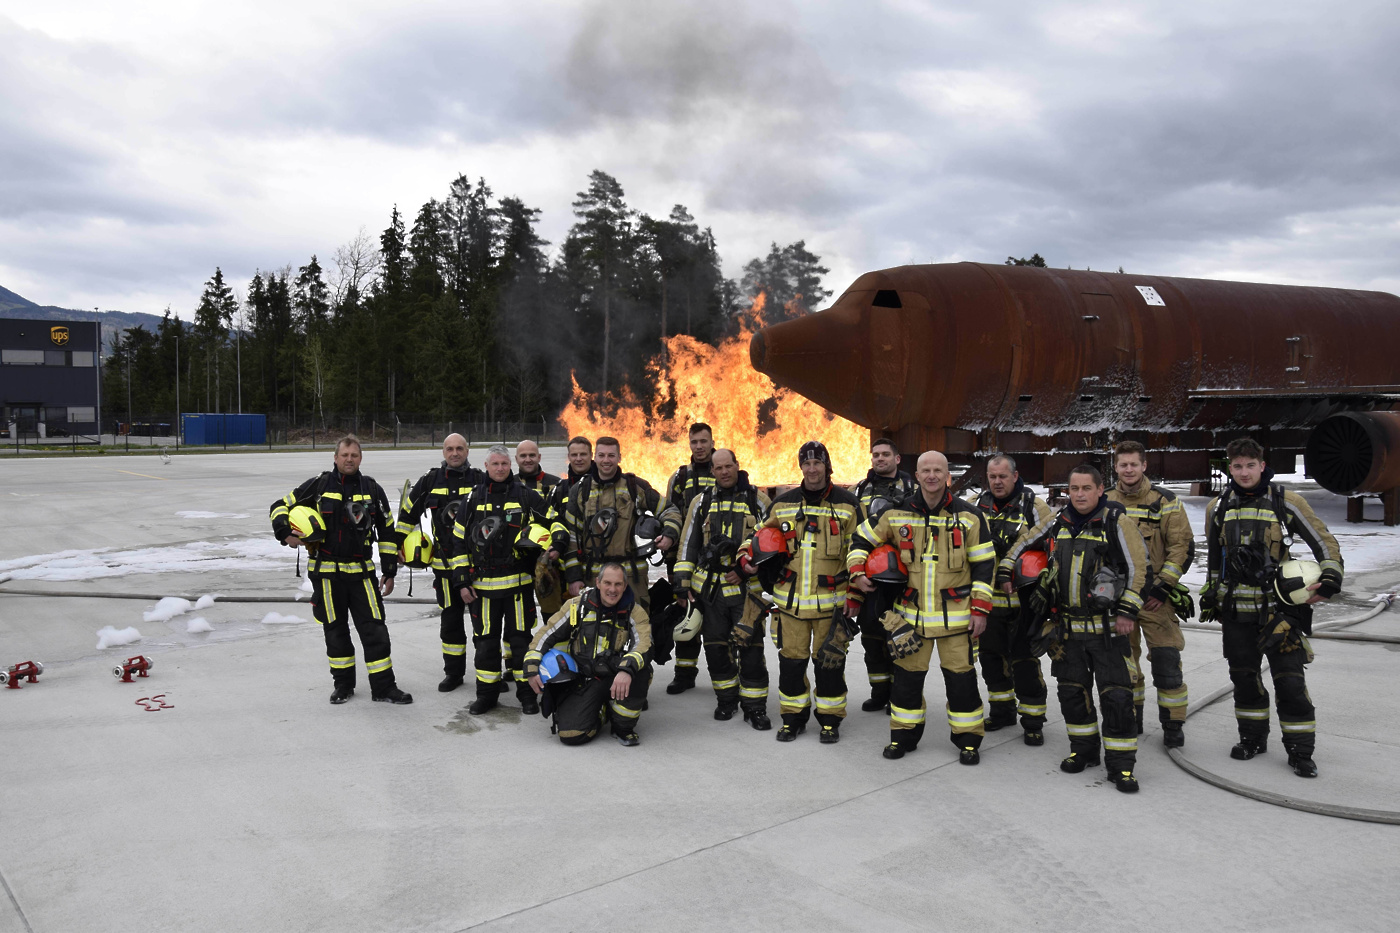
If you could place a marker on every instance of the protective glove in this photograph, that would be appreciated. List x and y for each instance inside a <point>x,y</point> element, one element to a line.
<point>1273,636</point>
<point>749,629</point>
<point>1330,584</point>
<point>903,640</point>
<point>832,654</point>
<point>1047,640</point>
<point>1181,602</point>
<point>1210,594</point>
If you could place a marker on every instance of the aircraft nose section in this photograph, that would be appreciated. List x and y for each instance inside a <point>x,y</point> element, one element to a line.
<point>817,356</point>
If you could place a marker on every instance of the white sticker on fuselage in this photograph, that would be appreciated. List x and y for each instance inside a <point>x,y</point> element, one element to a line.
<point>1149,295</point>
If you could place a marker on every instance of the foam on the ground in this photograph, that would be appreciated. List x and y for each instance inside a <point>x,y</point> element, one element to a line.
<point>198,624</point>
<point>167,609</point>
<point>277,618</point>
<point>109,636</point>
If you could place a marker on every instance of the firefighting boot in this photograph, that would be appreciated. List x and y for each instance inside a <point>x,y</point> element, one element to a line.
<point>1300,760</point>
<point>1003,715</point>
<point>1248,747</point>
<point>758,719</point>
<point>529,705</point>
<point>968,756</point>
<point>1033,738</point>
<point>1173,735</point>
<point>726,709</point>
<point>1124,781</point>
<point>449,683</point>
<point>683,681</point>
<point>879,698</point>
<point>341,694</point>
<point>1076,762</point>
<point>830,735</point>
<point>483,703</point>
<point>394,695</point>
<point>793,726</point>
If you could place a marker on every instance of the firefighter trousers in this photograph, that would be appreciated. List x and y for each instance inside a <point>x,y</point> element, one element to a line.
<point>1015,683</point>
<point>1106,659</point>
<point>496,617</point>
<point>739,673</point>
<point>580,713</point>
<point>1297,717</point>
<point>796,640</point>
<point>875,641</point>
<point>909,711</point>
<point>1162,633</point>
<point>337,599</point>
<point>452,626</point>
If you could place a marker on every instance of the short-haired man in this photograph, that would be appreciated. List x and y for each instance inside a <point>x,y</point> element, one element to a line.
<point>1170,545</point>
<point>817,520</point>
<point>608,636</point>
<point>1249,528</point>
<point>493,562</point>
<point>1097,569</point>
<point>1015,684</point>
<point>720,520</point>
<point>440,492</point>
<point>687,483</point>
<point>884,486</point>
<point>601,517</point>
<point>352,512</point>
<point>949,561</point>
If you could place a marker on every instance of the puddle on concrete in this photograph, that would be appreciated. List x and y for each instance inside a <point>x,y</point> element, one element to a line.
<point>464,723</point>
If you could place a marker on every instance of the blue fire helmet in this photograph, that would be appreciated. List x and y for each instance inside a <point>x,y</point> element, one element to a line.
<point>557,667</point>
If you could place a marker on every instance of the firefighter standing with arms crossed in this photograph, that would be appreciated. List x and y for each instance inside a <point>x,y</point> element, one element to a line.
<point>808,534</point>
<point>885,485</point>
<point>340,513</point>
<point>719,521</point>
<point>439,492</point>
<point>500,531</point>
<point>1249,528</point>
<point>682,488</point>
<point>1013,677</point>
<point>1090,592</point>
<point>1170,546</point>
<point>946,551</point>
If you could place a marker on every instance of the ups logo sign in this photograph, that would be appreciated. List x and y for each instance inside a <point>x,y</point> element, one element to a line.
<point>58,335</point>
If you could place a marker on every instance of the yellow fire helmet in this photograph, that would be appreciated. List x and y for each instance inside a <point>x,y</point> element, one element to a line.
<point>307,524</point>
<point>533,538</point>
<point>417,549</point>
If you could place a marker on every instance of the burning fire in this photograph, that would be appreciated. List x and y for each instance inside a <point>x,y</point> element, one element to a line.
<point>763,424</point>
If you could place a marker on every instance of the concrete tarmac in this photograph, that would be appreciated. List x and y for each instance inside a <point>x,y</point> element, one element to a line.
<point>250,803</point>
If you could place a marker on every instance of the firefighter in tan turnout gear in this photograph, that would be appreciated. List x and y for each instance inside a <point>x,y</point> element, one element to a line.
<point>945,550</point>
<point>1249,529</point>
<point>681,490</point>
<point>799,553</point>
<point>1015,684</point>
<point>337,516</point>
<point>550,588</point>
<point>439,493</point>
<point>1089,595</point>
<point>720,520</point>
<point>1170,545</point>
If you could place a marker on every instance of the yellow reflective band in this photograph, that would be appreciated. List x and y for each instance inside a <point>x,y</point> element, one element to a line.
<point>687,662</point>
<point>1087,728</point>
<point>488,677</point>
<point>1310,726</point>
<point>881,678</point>
<point>800,701</point>
<point>622,712</point>
<point>338,664</point>
<point>454,650</point>
<point>378,667</point>
<point>829,703</point>
<point>373,596</point>
<point>907,717</point>
<point>1001,696</point>
<point>1120,745</point>
<point>724,684</point>
<point>1171,570</point>
<point>1139,695</point>
<point>636,657</point>
<point>332,495</point>
<point>981,552</point>
<point>753,693</point>
<point>974,718</point>
<point>496,584</point>
<point>1028,709</point>
<point>1251,713</point>
<point>1171,700</point>
<point>327,604</point>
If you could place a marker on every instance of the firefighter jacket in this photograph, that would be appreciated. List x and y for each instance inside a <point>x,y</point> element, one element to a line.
<point>681,489</point>
<point>897,488</point>
<point>1166,534</point>
<point>558,500</point>
<point>602,640</point>
<point>1248,533</point>
<point>356,513</point>
<point>1007,519</point>
<point>818,527</point>
<point>1079,547</point>
<point>541,482</point>
<point>717,525</point>
<point>439,492</point>
<point>950,556</point>
<point>493,564</point>
<point>628,496</point>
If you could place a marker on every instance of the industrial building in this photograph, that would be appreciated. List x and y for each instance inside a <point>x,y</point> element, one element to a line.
<point>50,377</point>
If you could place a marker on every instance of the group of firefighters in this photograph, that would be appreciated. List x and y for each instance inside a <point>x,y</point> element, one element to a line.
<point>902,562</point>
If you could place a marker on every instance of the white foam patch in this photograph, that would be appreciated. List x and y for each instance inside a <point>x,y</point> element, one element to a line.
<point>110,636</point>
<point>205,601</point>
<point>237,554</point>
<point>167,609</point>
<point>276,618</point>
<point>305,585</point>
<point>211,514</point>
<point>198,624</point>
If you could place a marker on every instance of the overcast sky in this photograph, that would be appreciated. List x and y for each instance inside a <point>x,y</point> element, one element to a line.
<point>143,144</point>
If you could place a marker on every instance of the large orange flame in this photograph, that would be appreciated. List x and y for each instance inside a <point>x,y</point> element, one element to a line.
<point>763,424</point>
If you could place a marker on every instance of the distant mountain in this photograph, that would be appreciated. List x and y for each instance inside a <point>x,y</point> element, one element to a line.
<point>113,322</point>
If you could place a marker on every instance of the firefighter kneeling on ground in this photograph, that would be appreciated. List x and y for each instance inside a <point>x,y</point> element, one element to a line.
<point>337,517</point>
<point>1088,598</point>
<point>942,546</point>
<point>720,519</point>
<point>605,640</point>
<point>799,554</point>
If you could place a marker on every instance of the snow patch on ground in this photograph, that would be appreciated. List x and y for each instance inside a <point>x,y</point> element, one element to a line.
<point>211,514</point>
<point>236,555</point>
<point>110,636</point>
<point>167,609</point>
<point>305,585</point>
<point>276,618</point>
<point>198,624</point>
<point>205,601</point>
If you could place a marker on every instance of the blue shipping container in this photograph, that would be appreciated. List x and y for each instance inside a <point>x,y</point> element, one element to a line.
<point>218,430</point>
